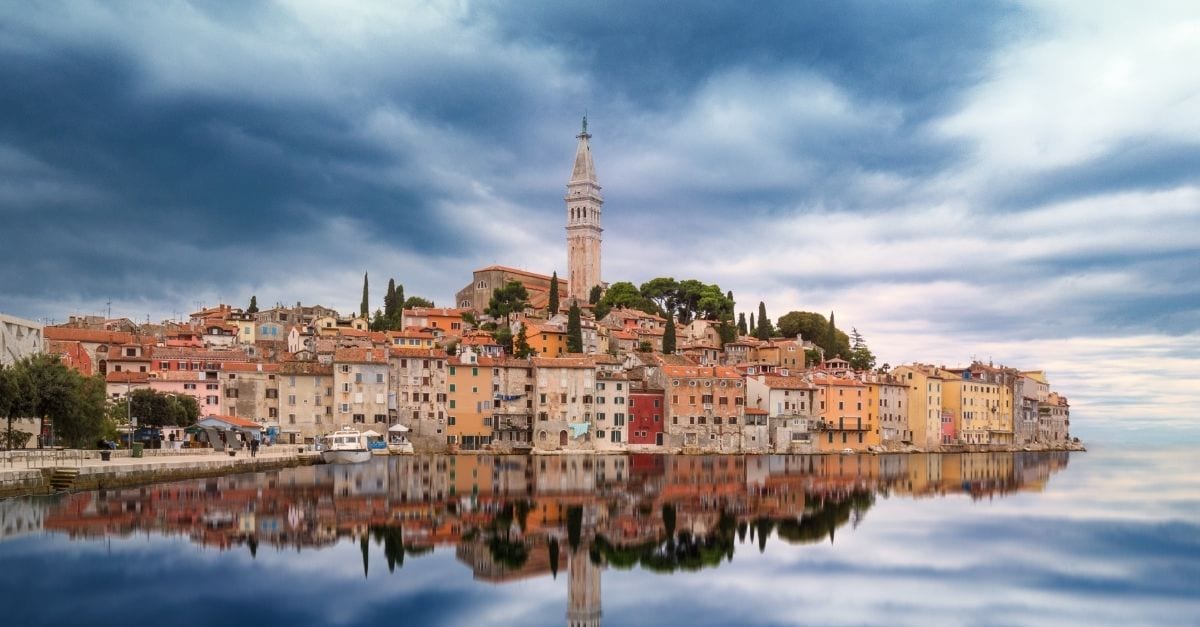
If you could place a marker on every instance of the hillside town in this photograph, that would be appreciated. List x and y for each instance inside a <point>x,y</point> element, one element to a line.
<point>528,362</point>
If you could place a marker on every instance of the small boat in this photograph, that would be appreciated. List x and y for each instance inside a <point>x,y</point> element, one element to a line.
<point>345,446</point>
<point>398,442</point>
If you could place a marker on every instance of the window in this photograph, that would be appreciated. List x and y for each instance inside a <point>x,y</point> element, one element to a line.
<point>358,377</point>
<point>450,421</point>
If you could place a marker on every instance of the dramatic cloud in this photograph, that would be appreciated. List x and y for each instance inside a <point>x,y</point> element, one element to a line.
<point>989,180</point>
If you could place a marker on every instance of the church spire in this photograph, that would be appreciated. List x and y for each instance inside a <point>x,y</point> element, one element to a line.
<point>584,171</point>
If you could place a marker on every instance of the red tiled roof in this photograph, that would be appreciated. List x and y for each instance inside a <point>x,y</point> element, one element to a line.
<point>721,372</point>
<point>87,335</point>
<point>305,368</point>
<point>787,383</point>
<point>361,355</point>
<point>400,351</point>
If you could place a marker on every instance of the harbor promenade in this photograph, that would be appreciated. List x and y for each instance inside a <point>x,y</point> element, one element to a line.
<point>24,472</point>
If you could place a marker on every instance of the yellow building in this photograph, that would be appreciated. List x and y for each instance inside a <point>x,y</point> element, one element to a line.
<point>468,403</point>
<point>924,403</point>
<point>975,407</point>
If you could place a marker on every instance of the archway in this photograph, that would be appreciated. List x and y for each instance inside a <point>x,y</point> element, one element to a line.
<point>562,437</point>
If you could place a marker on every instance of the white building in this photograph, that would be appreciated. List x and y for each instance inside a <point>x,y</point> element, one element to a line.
<point>19,338</point>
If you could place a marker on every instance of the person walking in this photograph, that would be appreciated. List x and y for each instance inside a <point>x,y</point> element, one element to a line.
<point>253,447</point>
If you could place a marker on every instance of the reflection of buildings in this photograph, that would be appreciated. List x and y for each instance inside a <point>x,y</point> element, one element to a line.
<point>517,517</point>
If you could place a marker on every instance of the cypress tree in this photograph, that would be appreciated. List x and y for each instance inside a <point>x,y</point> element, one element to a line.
<point>594,296</point>
<point>742,324</point>
<point>574,331</point>
<point>389,304</point>
<point>764,323</point>
<point>752,327</point>
<point>553,306</point>
<point>253,308</point>
<point>831,334</point>
<point>364,307</point>
<point>669,337</point>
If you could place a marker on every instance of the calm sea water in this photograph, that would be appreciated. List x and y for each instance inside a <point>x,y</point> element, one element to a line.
<point>1105,537</point>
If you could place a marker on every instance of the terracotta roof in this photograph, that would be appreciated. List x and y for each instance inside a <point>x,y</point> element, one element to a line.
<point>87,335</point>
<point>127,377</point>
<point>527,273</point>
<point>72,354</point>
<point>315,368</point>
<point>250,367</point>
<point>361,355</point>
<point>787,383</point>
<point>446,312</point>
<point>721,372</point>
<point>189,354</point>
<point>563,362</point>
<point>400,351</point>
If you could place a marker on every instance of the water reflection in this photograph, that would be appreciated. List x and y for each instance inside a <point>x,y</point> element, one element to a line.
<point>521,518</point>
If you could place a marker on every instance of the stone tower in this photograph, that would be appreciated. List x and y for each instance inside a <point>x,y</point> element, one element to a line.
<point>583,590</point>
<point>583,223</point>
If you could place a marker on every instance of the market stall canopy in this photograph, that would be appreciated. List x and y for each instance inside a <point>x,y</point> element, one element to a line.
<point>371,434</point>
<point>398,429</point>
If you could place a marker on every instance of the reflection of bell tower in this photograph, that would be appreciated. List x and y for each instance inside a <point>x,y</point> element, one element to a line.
<point>583,590</point>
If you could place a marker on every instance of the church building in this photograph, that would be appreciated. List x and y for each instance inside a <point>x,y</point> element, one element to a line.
<point>583,203</point>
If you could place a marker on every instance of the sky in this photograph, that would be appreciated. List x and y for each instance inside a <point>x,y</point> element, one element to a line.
<point>1006,181</point>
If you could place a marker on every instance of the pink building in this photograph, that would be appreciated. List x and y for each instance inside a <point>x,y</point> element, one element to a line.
<point>206,390</point>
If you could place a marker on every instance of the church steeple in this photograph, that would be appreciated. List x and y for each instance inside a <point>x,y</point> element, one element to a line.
<point>583,222</point>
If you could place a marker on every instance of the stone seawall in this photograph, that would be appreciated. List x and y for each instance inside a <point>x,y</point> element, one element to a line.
<point>98,475</point>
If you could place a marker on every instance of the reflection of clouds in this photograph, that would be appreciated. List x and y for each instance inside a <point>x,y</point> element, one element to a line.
<point>1111,538</point>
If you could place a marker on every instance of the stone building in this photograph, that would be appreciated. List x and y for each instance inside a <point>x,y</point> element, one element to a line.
<point>360,377</point>
<point>564,404</point>
<point>305,401</point>
<point>418,383</point>
<point>705,407</point>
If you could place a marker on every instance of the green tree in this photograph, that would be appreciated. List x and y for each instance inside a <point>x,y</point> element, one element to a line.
<point>552,307</point>
<point>510,298</point>
<point>764,330</point>
<point>662,291</point>
<point>574,330</point>
<point>741,325</point>
<point>752,327</point>
<point>594,296</point>
<point>861,357</point>
<point>378,322</point>
<point>727,332</point>
<point>253,308</point>
<point>521,346</point>
<point>669,337</point>
<point>816,329</point>
<point>14,401</point>
<point>504,337</point>
<point>392,304</point>
<point>668,517</point>
<point>554,551</point>
<point>416,301</point>
<point>624,294</point>
<point>364,308</point>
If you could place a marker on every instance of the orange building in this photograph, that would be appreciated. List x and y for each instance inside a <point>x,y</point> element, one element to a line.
<point>546,340</point>
<point>846,421</point>
<point>468,403</point>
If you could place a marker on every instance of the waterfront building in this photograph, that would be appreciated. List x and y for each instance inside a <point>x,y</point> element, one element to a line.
<point>611,427</point>
<point>206,391</point>
<point>888,409</point>
<point>924,385</point>
<point>512,402</point>
<point>705,407</point>
<point>564,404</point>
<point>844,420</point>
<point>789,403</point>
<point>646,411</point>
<point>419,385</point>
<point>250,391</point>
<point>469,406</point>
<point>306,401</point>
<point>360,377</point>
<point>95,343</point>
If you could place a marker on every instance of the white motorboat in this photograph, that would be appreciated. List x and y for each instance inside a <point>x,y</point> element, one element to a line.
<point>345,446</point>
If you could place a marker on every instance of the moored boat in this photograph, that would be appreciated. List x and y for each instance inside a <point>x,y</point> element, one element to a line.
<point>346,446</point>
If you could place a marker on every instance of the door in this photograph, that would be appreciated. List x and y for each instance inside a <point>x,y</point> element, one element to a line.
<point>562,438</point>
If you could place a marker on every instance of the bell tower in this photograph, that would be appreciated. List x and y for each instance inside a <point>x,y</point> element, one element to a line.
<point>583,222</point>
